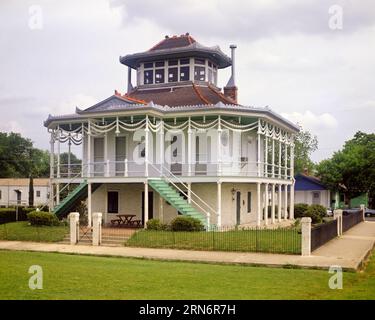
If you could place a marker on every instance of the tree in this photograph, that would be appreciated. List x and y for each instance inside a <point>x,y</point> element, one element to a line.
<point>19,159</point>
<point>304,145</point>
<point>352,169</point>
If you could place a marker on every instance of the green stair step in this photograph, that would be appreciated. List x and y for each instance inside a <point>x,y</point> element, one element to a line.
<point>171,195</point>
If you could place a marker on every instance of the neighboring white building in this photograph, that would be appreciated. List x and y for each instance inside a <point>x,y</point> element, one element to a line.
<point>16,192</point>
<point>176,129</point>
<point>310,190</point>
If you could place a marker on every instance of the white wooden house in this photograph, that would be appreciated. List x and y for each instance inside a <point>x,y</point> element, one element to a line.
<point>176,131</point>
<point>15,192</point>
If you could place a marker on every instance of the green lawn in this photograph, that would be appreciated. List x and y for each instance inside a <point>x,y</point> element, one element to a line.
<point>89,277</point>
<point>24,232</point>
<point>276,241</point>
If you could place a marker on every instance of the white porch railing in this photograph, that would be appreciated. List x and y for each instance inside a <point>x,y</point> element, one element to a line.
<point>128,168</point>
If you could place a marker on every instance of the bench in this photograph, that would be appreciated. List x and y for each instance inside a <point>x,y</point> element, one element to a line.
<point>136,222</point>
<point>114,221</point>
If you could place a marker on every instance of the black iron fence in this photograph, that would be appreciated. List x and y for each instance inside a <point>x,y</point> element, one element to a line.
<point>322,233</point>
<point>282,240</point>
<point>350,218</point>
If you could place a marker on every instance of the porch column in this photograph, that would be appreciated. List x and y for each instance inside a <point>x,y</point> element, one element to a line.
<point>258,152</point>
<point>58,152</point>
<point>189,192</point>
<point>145,205</point>
<point>89,207</point>
<point>279,196</point>
<point>285,201</point>
<point>258,204</point>
<point>189,148</point>
<point>106,160</point>
<point>273,157</point>
<point>161,155</point>
<point>69,156</point>
<point>52,171</point>
<point>57,193</point>
<point>266,206</point>
<point>146,147</point>
<point>279,160</point>
<point>219,160</point>
<point>286,160</point>
<point>161,209</point>
<point>293,182</point>
<point>273,204</point>
<point>89,150</point>
<point>83,150</point>
<point>266,156</point>
<point>291,207</point>
<point>219,204</point>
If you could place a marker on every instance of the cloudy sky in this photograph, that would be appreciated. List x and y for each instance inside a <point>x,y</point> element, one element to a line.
<point>297,57</point>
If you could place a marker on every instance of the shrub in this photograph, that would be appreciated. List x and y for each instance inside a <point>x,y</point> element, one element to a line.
<point>300,210</point>
<point>41,218</point>
<point>183,223</point>
<point>154,224</point>
<point>316,212</point>
<point>7,215</point>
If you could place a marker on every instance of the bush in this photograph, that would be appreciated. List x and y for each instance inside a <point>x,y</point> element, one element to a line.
<point>182,223</point>
<point>300,210</point>
<point>316,212</point>
<point>154,224</point>
<point>7,215</point>
<point>41,218</point>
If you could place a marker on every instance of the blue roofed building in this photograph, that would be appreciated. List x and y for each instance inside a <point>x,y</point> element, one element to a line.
<point>311,190</point>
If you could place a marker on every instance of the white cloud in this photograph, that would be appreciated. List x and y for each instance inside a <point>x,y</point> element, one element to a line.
<point>11,126</point>
<point>312,122</point>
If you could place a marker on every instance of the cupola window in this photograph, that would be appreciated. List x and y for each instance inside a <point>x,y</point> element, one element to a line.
<point>172,74</point>
<point>149,76</point>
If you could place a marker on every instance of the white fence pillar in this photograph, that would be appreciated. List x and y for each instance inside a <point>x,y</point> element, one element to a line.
<point>337,214</point>
<point>74,227</point>
<point>306,236</point>
<point>97,229</point>
<point>363,211</point>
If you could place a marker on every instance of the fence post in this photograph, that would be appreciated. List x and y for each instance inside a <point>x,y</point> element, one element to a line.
<point>337,214</point>
<point>97,229</point>
<point>74,221</point>
<point>306,236</point>
<point>363,212</point>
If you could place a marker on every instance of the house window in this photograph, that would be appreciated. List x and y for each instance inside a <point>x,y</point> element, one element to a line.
<point>159,64</point>
<point>112,202</point>
<point>173,62</point>
<point>172,74</point>
<point>149,76</point>
<point>316,198</point>
<point>38,193</point>
<point>149,65</point>
<point>248,202</point>
<point>199,61</point>
<point>159,76</point>
<point>184,61</point>
<point>199,73</point>
<point>185,73</point>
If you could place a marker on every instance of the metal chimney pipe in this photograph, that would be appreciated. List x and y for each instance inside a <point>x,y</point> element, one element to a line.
<point>130,86</point>
<point>233,48</point>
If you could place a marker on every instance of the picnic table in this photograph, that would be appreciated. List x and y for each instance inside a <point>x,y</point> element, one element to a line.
<point>126,220</point>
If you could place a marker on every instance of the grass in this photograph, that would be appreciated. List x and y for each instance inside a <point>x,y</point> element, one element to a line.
<point>274,241</point>
<point>90,277</point>
<point>22,231</point>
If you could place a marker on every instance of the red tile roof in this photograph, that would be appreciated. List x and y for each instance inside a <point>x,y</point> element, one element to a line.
<point>190,94</point>
<point>174,42</point>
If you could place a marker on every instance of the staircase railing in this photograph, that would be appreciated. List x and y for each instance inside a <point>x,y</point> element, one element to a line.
<point>47,203</point>
<point>208,210</point>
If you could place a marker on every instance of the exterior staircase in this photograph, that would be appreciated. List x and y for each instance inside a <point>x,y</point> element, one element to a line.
<point>172,196</point>
<point>70,201</point>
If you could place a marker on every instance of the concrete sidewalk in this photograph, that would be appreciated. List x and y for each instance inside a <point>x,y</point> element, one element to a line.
<point>348,251</point>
